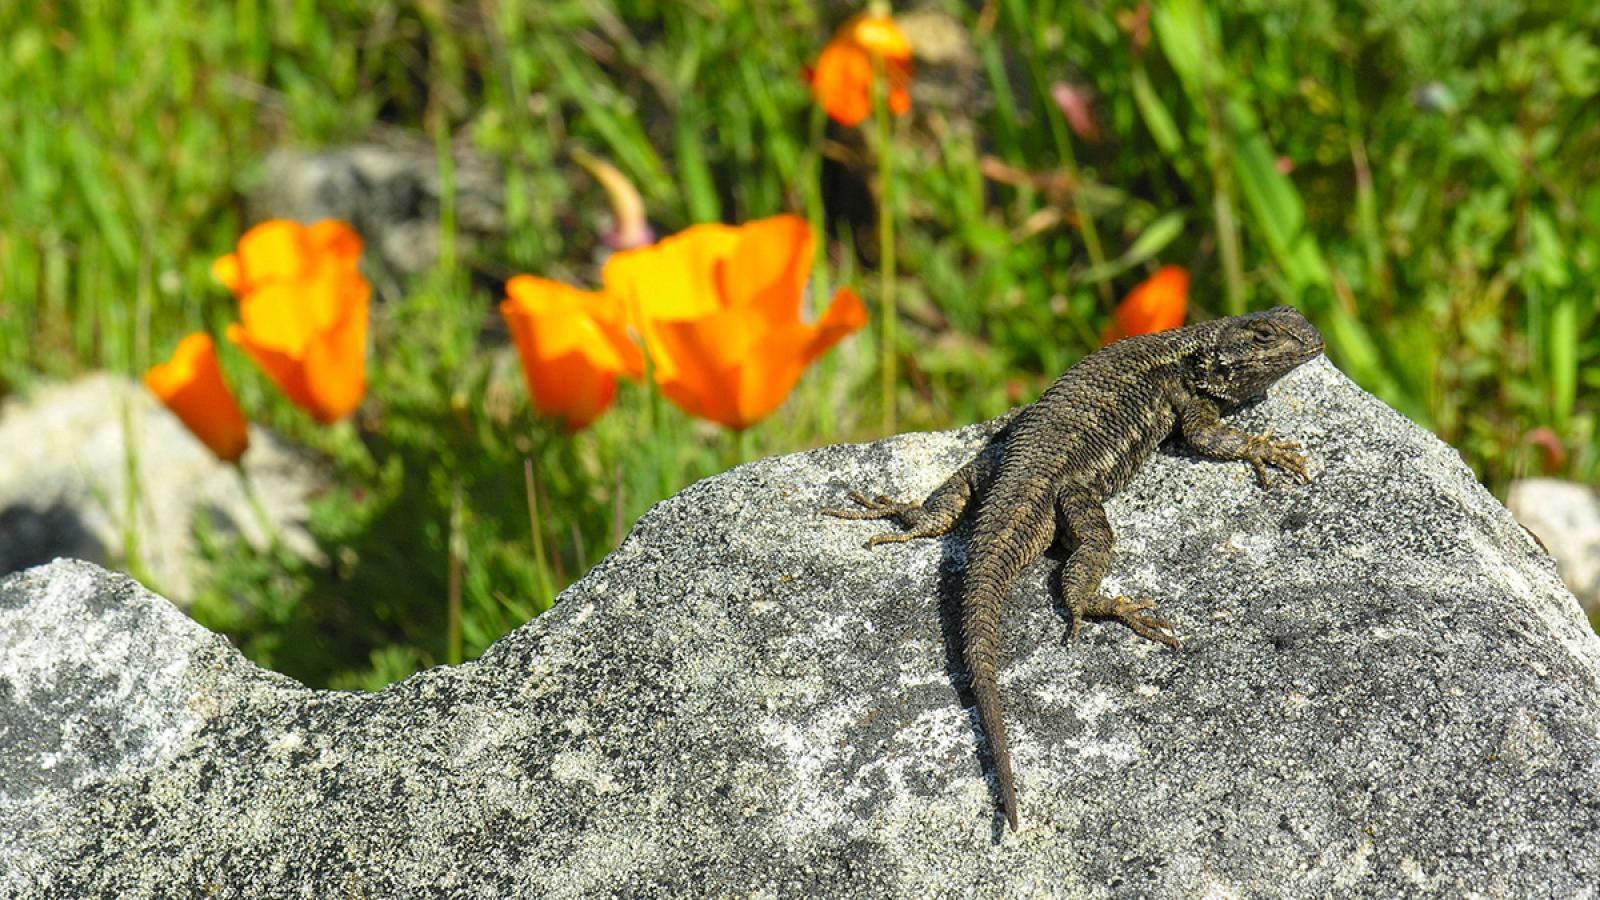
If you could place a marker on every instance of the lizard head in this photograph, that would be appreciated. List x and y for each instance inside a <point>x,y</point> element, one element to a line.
<point>1243,355</point>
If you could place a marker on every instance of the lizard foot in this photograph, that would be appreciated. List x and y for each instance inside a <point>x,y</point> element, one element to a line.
<point>1132,613</point>
<point>1264,451</point>
<point>879,507</point>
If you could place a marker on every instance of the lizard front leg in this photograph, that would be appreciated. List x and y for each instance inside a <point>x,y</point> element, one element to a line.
<point>1084,518</point>
<point>1201,424</point>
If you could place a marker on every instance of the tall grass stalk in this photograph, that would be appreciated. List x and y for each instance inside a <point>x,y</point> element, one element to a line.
<point>457,553</point>
<point>252,496</point>
<point>530,484</point>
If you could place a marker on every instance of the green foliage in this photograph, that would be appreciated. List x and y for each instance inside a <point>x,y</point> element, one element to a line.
<point>1422,177</point>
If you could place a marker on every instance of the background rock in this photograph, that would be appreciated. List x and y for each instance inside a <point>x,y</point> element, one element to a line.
<point>1384,690</point>
<point>64,483</point>
<point>388,192</point>
<point>1566,518</point>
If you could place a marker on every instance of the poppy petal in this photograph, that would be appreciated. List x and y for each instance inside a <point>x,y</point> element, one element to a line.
<point>336,367</point>
<point>190,384</point>
<point>282,369</point>
<point>769,267</point>
<point>275,250</point>
<point>572,344</point>
<point>1157,304</point>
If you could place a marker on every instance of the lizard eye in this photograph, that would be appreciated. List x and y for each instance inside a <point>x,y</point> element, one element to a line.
<point>1264,333</point>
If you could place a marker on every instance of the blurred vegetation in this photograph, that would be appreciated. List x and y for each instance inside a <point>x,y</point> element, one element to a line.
<point>1421,177</point>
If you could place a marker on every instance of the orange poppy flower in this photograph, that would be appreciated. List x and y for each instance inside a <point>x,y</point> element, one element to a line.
<point>719,309</point>
<point>573,346</point>
<point>303,307</point>
<point>279,250</point>
<point>1157,304</point>
<point>190,384</point>
<point>841,80</point>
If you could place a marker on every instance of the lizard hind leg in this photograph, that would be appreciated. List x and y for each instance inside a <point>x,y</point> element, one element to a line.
<point>1085,519</point>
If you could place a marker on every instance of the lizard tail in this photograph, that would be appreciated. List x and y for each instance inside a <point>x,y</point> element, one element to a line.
<point>980,623</point>
<point>988,697</point>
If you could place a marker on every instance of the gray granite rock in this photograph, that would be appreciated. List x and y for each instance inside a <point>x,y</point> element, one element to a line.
<point>1565,516</point>
<point>64,483</point>
<point>1384,690</point>
<point>389,192</point>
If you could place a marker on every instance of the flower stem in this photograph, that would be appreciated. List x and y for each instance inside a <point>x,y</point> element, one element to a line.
<point>269,532</point>
<point>816,214</point>
<point>542,565</point>
<point>1217,159</point>
<point>887,315</point>
<point>661,444</point>
<point>737,448</point>
<point>131,497</point>
<point>1069,164</point>
<point>444,157</point>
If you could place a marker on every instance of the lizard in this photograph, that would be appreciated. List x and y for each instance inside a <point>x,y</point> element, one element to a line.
<point>1060,458</point>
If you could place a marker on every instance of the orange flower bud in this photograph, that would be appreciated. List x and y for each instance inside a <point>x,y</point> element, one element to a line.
<point>190,384</point>
<point>303,307</point>
<point>719,309</point>
<point>631,225</point>
<point>1157,304</point>
<point>841,80</point>
<point>573,346</point>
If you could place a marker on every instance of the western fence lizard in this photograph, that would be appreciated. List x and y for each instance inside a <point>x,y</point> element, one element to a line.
<point>1061,457</point>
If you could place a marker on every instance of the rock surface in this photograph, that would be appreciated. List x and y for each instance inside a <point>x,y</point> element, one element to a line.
<point>388,192</point>
<point>64,483</point>
<point>1384,690</point>
<point>1566,518</point>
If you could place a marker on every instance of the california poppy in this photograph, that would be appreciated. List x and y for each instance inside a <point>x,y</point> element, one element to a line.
<point>841,80</point>
<point>190,384</point>
<point>303,307</point>
<point>573,346</point>
<point>719,309</point>
<point>281,251</point>
<point>1156,304</point>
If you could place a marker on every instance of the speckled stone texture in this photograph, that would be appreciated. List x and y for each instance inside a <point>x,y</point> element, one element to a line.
<point>1384,690</point>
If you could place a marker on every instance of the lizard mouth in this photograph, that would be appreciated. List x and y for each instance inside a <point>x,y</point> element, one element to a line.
<point>1310,341</point>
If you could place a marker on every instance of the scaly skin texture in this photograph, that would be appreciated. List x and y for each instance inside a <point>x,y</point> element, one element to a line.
<point>1082,441</point>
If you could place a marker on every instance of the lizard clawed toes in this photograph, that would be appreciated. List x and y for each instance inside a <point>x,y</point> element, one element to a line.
<point>1130,612</point>
<point>880,507</point>
<point>1264,451</point>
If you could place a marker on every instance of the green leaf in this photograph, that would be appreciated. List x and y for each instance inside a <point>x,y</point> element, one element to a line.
<point>1181,28</point>
<point>699,189</point>
<point>1546,257</point>
<point>1151,241</point>
<point>1156,117</point>
<point>1563,358</point>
